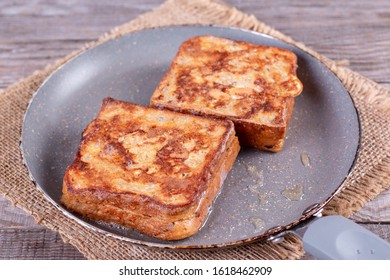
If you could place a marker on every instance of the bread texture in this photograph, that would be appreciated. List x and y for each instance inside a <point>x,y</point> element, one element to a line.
<point>152,170</point>
<point>253,86</point>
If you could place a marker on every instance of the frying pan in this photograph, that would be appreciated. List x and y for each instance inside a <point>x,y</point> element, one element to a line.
<point>264,196</point>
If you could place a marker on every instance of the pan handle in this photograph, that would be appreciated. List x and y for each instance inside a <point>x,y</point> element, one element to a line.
<point>336,237</point>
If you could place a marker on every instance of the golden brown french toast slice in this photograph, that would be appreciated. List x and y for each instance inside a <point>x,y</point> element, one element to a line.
<point>153,170</point>
<point>253,86</point>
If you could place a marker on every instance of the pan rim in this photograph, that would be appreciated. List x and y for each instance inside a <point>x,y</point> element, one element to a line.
<point>270,232</point>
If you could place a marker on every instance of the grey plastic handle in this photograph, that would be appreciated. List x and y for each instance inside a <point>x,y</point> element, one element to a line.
<point>336,237</point>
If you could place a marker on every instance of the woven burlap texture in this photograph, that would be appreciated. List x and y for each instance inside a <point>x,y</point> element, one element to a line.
<point>370,176</point>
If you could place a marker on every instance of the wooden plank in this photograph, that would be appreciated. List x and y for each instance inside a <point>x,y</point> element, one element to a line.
<point>34,243</point>
<point>36,34</point>
<point>357,31</point>
<point>11,216</point>
<point>377,210</point>
<point>40,243</point>
<point>381,229</point>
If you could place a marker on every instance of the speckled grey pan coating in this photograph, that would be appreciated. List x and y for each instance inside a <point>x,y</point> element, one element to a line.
<point>258,195</point>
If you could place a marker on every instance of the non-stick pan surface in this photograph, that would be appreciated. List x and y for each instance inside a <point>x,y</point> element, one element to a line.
<point>263,190</point>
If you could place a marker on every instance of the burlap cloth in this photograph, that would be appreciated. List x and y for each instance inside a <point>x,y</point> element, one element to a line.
<point>370,176</point>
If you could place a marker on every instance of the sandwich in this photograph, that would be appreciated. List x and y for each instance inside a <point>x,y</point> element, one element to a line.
<point>152,170</point>
<point>253,86</point>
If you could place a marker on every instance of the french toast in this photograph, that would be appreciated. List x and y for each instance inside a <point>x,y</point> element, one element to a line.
<point>253,86</point>
<point>152,170</point>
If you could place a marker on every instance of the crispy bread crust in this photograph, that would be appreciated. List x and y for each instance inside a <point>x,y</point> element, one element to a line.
<point>161,189</point>
<point>251,85</point>
<point>162,223</point>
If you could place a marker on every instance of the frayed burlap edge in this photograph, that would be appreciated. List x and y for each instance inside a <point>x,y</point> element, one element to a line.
<point>359,188</point>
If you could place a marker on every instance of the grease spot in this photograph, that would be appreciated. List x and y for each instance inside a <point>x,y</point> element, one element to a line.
<point>257,223</point>
<point>305,159</point>
<point>294,194</point>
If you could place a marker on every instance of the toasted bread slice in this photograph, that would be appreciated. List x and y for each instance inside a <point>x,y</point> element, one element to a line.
<point>153,170</point>
<point>253,86</point>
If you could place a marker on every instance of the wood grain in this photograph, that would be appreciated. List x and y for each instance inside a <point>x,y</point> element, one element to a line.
<point>12,216</point>
<point>357,31</point>
<point>35,243</point>
<point>35,33</point>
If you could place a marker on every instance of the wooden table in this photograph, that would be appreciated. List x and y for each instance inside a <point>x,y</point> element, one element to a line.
<point>35,33</point>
